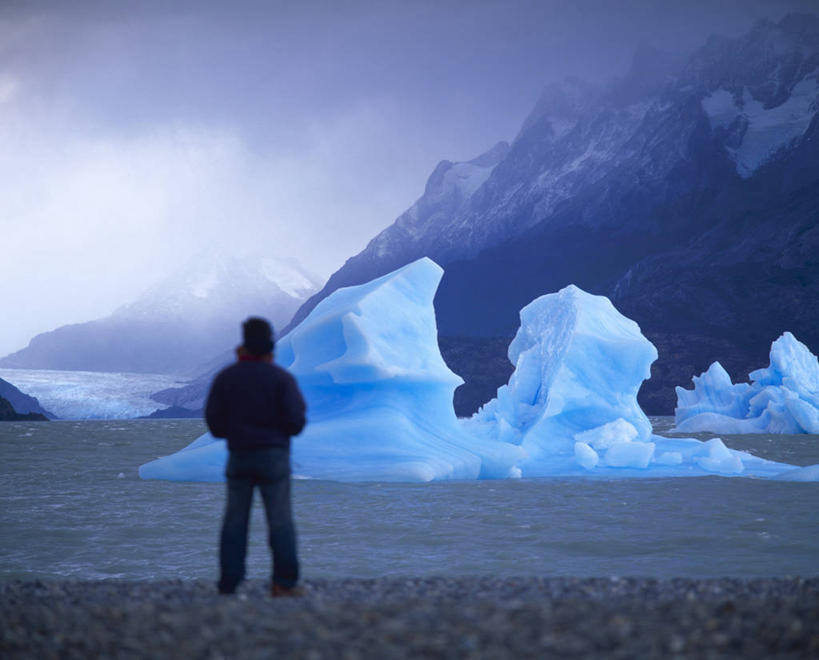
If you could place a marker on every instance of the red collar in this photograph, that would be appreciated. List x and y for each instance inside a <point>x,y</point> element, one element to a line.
<point>251,358</point>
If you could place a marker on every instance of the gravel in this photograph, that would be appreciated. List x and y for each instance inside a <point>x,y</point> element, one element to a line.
<point>414,617</point>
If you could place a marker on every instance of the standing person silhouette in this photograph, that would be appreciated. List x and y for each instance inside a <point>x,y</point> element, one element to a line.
<point>257,406</point>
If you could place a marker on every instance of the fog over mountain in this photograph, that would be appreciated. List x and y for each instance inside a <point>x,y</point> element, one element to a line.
<point>135,134</point>
<point>179,323</point>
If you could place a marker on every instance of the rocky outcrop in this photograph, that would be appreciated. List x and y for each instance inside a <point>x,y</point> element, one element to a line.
<point>22,404</point>
<point>175,412</point>
<point>9,414</point>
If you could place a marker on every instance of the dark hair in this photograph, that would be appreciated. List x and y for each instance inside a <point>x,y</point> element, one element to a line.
<point>257,336</point>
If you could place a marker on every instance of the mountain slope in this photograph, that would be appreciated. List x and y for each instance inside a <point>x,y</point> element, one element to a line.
<point>177,324</point>
<point>687,192</point>
<point>21,403</point>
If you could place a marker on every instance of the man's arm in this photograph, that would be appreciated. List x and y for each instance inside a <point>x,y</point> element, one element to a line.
<point>292,407</point>
<point>215,413</point>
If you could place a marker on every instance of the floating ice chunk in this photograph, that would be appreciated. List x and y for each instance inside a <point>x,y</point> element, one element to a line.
<point>627,453</point>
<point>792,366</point>
<point>716,423</point>
<point>714,456</point>
<point>617,442</point>
<point>586,456</point>
<point>782,398</point>
<point>808,473</point>
<point>714,393</point>
<point>578,366</point>
<point>669,458</point>
<point>605,436</point>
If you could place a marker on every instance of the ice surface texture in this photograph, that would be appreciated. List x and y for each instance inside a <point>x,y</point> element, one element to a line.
<point>783,398</point>
<point>379,397</point>
<point>91,394</point>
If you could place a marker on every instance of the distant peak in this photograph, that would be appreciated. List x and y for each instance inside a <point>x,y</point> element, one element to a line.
<point>562,100</point>
<point>486,161</point>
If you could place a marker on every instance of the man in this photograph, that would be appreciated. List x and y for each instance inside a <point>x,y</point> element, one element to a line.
<point>257,406</point>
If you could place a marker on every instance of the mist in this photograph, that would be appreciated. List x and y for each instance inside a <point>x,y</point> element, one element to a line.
<point>138,135</point>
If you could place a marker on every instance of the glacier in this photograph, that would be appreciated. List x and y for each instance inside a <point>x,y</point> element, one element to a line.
<point>379,397</point>
<point>782,398</point>
<point>74,395</point>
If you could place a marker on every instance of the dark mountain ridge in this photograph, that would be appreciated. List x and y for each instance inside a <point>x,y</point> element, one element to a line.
<point>686,192</point>
<point>23,406</point>
<point>9,414</point>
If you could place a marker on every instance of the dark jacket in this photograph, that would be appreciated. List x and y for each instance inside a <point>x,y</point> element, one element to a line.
<point>254,405</point>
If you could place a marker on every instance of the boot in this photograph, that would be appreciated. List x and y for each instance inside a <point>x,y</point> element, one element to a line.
<point>279,591</point>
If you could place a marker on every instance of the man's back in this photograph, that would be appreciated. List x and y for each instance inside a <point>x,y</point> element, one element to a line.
<point>257,406</point>
<point>254,405</point>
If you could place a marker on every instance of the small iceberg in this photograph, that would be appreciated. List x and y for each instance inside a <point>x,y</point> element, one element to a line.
<point>783,398</point>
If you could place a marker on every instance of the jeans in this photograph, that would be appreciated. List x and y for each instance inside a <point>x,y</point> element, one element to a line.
<point>269,469</point>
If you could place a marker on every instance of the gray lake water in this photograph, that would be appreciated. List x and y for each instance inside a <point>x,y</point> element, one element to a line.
<point>72,506</point>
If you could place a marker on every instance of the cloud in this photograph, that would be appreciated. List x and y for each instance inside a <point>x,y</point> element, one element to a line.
<point>88,222</point>
<point>135,134</point>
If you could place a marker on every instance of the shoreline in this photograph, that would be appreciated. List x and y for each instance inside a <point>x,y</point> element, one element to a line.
<point>414,617</point>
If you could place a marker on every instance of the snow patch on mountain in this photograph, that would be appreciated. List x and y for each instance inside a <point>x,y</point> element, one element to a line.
<point>467,177</point>
<point>220,284</point>
<point>289,277</point>
<point>448,190</point>
<point>203,287</point>
<point>764,131</point>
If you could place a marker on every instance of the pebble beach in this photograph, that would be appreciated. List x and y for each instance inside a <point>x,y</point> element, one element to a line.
<point>414,617</point>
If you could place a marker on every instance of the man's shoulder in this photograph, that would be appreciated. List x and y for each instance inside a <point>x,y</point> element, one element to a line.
<point>281,373</point>
<point>225,372</point>
<point>269,371</point>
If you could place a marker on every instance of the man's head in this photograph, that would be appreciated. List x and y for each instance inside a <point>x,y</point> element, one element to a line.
<point>257,337</point>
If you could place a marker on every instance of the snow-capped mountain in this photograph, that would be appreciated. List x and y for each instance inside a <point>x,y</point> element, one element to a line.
<point>216,284</point>
<point>688,192</point>
<point>179,323</point>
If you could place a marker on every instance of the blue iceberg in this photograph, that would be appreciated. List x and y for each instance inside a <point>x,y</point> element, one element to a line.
<point>578,366</point>
<point>571,402</point>
<point>378,392</point>
<point>783,398</point>
<point>379,397</point>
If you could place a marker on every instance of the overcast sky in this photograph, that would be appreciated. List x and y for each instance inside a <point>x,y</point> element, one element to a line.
<point>135,134</point>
